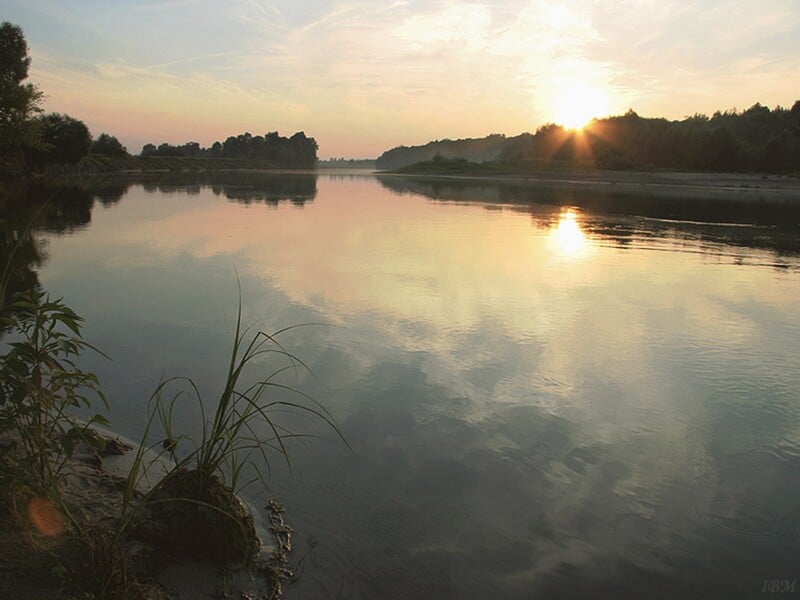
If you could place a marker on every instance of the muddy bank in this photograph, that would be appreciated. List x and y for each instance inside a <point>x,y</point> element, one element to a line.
<point>39,556</point>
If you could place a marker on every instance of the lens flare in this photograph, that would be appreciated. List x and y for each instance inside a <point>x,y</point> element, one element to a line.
<point>45,517</point>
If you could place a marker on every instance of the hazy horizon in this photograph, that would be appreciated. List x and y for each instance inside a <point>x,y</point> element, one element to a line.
<point>362,78</point>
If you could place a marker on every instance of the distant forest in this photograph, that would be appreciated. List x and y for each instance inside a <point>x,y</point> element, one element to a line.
<point>296,152</point>
<point>34,142</point>
<point>755,140</point>
<point>346,163</point>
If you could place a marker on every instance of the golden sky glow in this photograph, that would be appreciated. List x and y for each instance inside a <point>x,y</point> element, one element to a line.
<point>362,77</point>
<point>576,102</point>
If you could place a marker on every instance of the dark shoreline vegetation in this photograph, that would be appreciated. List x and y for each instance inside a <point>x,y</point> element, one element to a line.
<point>652,182</point>
<point>72,527</point>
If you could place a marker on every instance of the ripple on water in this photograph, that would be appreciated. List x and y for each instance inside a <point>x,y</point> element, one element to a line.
<point>753,495</point>
<point>582,458</point>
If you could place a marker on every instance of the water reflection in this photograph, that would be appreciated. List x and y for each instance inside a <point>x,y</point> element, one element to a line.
<point>569,238</point>
<point>248,187</point>
<point>28,211</point>
<point>765,220</point>
<point>542,400</point>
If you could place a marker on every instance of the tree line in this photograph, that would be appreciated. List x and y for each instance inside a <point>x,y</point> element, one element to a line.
<point>298,151</point>
<point>31,140</point>
<point>754,140</point>
<point>28,137</point>
<point>483,149</point>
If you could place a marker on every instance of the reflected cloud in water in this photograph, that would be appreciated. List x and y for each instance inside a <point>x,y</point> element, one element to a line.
<point>536,406</point>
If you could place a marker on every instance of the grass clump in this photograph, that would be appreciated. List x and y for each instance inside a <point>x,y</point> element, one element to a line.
<point>190,507</point>
<point>197,501</point>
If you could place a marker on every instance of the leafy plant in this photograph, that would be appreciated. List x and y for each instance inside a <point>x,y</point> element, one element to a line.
<point>40,383</point>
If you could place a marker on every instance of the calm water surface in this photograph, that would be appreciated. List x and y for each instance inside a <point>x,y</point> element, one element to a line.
<point>546,396</point>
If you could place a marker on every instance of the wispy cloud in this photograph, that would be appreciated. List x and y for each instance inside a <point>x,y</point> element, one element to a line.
<point>407,71</point>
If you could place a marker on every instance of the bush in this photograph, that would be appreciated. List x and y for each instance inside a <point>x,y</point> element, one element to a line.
<point>39,383</point>
<point>108,145</point>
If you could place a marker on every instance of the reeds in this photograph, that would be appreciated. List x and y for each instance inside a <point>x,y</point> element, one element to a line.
<point>42,383</point>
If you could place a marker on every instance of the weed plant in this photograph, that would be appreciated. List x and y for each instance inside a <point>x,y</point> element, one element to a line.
<point>197,497</point>
<point>40,384</point>
<point>234,435</point>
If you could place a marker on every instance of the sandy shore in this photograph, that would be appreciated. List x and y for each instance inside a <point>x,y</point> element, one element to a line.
<point>732,185</point>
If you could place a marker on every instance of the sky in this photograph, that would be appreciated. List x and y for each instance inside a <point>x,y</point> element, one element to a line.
<point>365,76</point>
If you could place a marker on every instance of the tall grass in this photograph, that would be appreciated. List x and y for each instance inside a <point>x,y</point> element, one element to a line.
<point>196,499</point>
<point>233,438</point>
<point>41,384</point>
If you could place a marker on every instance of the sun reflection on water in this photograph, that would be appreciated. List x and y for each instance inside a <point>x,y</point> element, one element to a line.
<point>568,236</point>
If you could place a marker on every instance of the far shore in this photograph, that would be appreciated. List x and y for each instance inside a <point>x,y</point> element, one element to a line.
<point>746,186</point>
<point>732,185</point>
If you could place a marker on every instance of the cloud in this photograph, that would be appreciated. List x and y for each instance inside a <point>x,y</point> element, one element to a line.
<point>364,76</point>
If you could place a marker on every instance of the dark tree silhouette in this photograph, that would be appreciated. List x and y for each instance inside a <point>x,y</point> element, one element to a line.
<point>67,140</point>
<point>271,149</point>
<point>18,101</point>
<point>108,145</point>
<point>758,139</point>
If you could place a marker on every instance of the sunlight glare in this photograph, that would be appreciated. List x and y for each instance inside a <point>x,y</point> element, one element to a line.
<point>569,238</point>
<point>576,103</point>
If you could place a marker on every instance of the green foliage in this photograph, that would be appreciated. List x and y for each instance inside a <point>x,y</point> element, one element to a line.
<point>242,426</point>
<point>25,138</point>
<point>39,384</point>
<point>18,101</point>
<point>14,59</point>
<point>67,140</point>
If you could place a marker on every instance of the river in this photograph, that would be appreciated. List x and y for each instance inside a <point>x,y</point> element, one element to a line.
<point>546,393</point>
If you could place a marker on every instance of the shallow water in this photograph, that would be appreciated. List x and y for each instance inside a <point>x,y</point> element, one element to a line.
<point>546,393</point>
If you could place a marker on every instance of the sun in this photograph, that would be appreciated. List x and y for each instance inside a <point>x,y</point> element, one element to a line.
<point>576,103</point>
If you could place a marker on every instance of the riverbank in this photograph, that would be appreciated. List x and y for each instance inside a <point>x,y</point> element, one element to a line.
<point>38,553</point>
<point>96,164</point>
<point>661,182</point>
<point>667,183</point>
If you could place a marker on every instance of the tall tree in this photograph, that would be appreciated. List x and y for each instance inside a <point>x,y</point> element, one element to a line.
<point>108,145</point>
<point>18,101</point>
<point>67,140</point>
